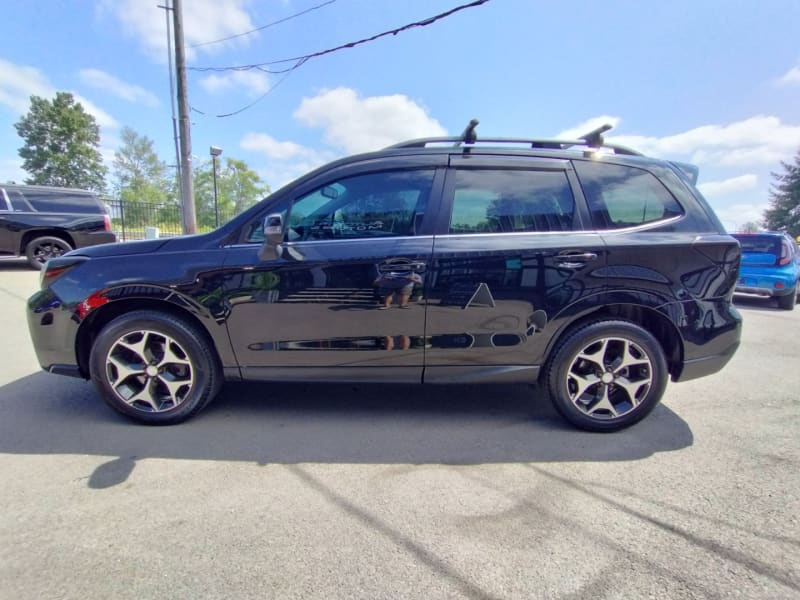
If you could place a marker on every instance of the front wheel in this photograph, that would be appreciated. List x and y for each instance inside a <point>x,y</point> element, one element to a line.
<point>41,249</point>
<point>608,375</point>
<point>154,368</point>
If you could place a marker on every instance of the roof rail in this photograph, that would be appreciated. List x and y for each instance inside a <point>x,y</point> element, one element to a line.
<point>592,139</point>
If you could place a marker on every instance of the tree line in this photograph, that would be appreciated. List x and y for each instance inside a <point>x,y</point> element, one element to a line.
<point>61,144</point>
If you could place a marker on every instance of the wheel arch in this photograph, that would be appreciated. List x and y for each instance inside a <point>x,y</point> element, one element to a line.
<point>96,320</point>
<point>31,235</point>
<point>650,319</point>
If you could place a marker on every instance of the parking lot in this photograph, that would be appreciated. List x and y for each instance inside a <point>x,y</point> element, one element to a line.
<point>320,491</point>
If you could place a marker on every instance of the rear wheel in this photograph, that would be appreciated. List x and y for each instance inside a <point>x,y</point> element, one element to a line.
<point>607,375</point>
<point>40,250</point>
<point>788,301</point>
<point>154,368</point>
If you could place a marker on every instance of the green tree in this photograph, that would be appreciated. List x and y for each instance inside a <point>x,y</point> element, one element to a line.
<point>142,183</point>
<point>784,199</point>
<point>61,144</point>
<point>238,187</point>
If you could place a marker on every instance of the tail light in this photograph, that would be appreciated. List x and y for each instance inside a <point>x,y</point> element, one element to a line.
<point>57,267</point>
<point>107,222</point>
<point>786,254</point>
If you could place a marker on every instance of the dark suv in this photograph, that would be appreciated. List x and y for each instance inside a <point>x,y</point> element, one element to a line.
<point>592,269</point>
<point>40,222</point>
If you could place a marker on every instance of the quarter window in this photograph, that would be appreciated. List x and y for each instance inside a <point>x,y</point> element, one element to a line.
<point>621,196</point>
<point>503,201</point>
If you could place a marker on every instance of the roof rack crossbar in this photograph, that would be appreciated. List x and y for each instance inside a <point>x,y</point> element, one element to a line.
<point>592,139</point>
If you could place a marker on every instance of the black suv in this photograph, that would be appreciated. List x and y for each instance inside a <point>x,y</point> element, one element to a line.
<point>589,268</point>
<point>41,222</point>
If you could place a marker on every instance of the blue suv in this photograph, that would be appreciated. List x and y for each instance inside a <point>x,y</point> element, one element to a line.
<point>770,267</point>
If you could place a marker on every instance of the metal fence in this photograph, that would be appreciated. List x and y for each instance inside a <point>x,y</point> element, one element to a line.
<point>142,220</point>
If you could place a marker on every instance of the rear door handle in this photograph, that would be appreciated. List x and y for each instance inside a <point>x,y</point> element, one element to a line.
<point>574,260</point>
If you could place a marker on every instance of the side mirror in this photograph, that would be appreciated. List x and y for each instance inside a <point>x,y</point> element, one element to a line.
<point>273,235</point>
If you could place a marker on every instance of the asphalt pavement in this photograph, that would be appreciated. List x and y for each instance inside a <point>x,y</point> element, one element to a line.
<point>367,491</point>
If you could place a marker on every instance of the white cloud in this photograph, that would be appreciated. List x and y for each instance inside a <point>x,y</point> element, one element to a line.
<point>761,140</point>
<point>735,215</point>
<point>576,132</point>
<point>117,87</point>
<point>285,161</point>
<point>203,21</point>
<point>262,142</point>
<point>791,77</point>
<point>355,124</point>
<point>18,83</point>
<point>715,189</point>
<point>255,82</point>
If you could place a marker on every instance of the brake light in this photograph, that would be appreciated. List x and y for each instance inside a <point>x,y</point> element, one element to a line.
<point>56,267</point>
<point>786,254</point>
<point>107,222</point>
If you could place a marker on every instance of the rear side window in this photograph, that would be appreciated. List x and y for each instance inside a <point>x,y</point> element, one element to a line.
<point>63,202</point>
<point>505,201</point>
<point>621,196</point>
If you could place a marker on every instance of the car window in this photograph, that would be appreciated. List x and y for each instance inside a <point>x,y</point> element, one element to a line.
<point>373,205</point>
<point>761,244</point>
<point>63,202</point>
<point>18,201</point>
<point>621,196</point>
<point>496,200</point>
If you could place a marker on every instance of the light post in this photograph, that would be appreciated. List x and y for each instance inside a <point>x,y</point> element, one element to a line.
<point>215,151</point>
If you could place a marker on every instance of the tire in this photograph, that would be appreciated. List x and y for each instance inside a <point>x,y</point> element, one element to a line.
<point>788,301</point>
<point>615,395</point>
<point>40,250</point>
<point>154,368</point>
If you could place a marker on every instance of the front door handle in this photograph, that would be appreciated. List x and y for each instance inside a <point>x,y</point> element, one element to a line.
<point>576,260</point>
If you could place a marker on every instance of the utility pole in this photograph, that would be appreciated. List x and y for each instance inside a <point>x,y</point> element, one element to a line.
<point>187,189</point>
<point>170,63</point>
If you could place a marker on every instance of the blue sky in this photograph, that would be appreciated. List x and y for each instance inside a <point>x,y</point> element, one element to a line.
<point>713,83</point>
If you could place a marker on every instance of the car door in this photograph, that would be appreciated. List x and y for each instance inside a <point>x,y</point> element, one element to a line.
<point>511,257</point>
<point>316,307</point>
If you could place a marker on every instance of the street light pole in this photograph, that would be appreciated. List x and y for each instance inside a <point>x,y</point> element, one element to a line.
<point>215,151</point>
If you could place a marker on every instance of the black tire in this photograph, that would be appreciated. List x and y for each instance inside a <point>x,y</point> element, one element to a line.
<point>614,395</point>
<point>40,250</point>
<point>154,368</point>
<point>788,301</point>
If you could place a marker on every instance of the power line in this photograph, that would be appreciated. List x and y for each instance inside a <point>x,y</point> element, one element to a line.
<point>301,60</point>
<point>244,33</point>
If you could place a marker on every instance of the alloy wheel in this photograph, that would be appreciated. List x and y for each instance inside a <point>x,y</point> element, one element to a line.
<point>149,371</point>
<point>609,378</point>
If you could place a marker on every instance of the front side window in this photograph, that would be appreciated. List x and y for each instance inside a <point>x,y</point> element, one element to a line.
<point>373,205</point>
<point>621,196</point>
<point>504,201</point>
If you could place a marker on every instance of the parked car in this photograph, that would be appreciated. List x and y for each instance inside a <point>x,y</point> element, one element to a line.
<point>40,222</point>
<point>770,267</point>
<point>589,268</point>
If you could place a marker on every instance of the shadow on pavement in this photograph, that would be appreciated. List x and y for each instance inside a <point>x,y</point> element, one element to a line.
<point>289,424</point>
